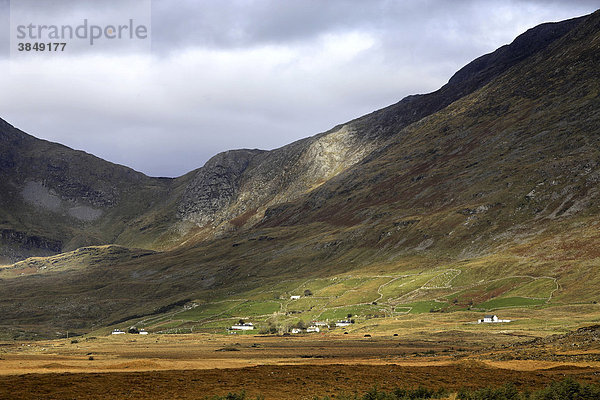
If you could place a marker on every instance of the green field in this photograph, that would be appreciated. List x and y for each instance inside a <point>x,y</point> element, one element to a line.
<point>434,293</point>
<point>509,302</point>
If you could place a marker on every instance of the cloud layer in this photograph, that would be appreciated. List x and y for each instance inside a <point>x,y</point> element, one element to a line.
<point>253,74</point>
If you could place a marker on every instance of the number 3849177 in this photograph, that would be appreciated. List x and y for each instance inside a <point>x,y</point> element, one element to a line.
<point>41,46</point>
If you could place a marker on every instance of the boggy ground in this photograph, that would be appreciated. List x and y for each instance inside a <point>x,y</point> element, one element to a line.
<point>298,367</point>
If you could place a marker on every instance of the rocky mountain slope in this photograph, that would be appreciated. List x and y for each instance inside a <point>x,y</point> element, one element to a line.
<point>56,199</point>
<point>493,176</point>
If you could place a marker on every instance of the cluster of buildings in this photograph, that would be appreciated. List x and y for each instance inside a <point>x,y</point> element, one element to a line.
<point>315,327</point>
<point>132,331</point>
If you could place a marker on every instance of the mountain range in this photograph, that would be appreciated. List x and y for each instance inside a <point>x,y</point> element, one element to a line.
<point>482,193</point>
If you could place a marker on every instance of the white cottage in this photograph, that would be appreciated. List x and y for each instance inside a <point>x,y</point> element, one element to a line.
<point>246,326</point>
<point>488,319</point>
<point>343,323</point>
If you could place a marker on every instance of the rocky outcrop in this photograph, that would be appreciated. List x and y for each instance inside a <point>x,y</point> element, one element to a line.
<point>214,187</point>
<point>235,183</point>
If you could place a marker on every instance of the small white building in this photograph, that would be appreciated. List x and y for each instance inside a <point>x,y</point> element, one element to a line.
<point>312,329</point>
<point>343,323</point>
<point>143,332</point>
<point>491,319</point>
<point>118,332</point>
<point>296,330</point>
<point>295,297</point>
<point>246,326</point>
<point>320,323</point>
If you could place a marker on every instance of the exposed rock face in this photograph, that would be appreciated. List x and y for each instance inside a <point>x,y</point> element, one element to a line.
<point>214,186</point>
<point>236,182</point>
<point>36,194</point>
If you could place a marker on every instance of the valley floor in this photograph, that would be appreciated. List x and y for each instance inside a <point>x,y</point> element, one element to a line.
<point>295,367</point>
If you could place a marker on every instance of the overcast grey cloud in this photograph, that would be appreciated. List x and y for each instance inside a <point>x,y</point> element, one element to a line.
<point>253,74</point>
<point>4,26</point>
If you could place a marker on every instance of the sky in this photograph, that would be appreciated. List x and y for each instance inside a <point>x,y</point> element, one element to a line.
<point>215,75</point>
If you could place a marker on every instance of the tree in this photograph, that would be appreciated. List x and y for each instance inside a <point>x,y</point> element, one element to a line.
<point>307,292</point>
<point>349,316</point>
<point>241,322</point>
<point>300,325</point>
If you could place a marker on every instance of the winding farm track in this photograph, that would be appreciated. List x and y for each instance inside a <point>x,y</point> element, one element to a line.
<point>441,279</point>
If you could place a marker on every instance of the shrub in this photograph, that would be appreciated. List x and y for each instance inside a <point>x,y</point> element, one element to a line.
<point>568,389</point>
<point>233,396</point>
<point>506,392</point>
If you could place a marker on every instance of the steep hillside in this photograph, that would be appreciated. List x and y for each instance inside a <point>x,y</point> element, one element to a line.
<point>479,196</point>
<point>516,155</point>
<point>56,199</point>
<point>235,188</point>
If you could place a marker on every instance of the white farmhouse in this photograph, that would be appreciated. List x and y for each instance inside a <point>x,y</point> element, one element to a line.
<point>343,323</point>
<point>294,297</point>
<point>490,319</point>
<point>296,330</point>
<point>312,329</point>
<point>118,332</point>
<point>246,326</point>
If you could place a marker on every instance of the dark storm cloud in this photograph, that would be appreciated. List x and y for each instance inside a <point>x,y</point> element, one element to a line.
<point>245,23</point>
<point>254,74</point>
